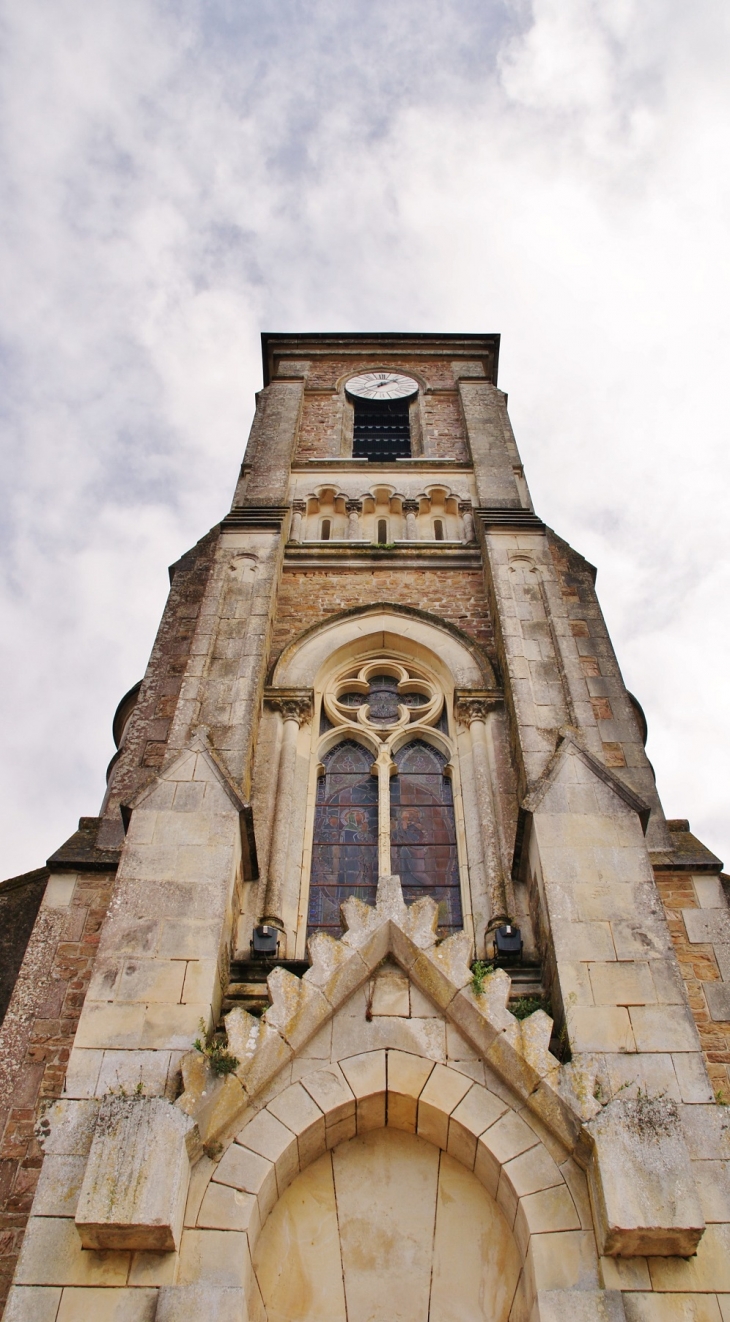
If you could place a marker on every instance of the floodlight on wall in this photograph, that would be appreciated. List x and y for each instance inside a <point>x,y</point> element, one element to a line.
<point>265,942</point>
<point>508,942</point>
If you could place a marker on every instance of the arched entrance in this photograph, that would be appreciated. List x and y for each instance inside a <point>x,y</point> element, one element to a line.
<point>387,1225</point>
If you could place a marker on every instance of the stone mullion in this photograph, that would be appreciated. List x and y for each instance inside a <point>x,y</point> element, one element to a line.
<point>385,770</point>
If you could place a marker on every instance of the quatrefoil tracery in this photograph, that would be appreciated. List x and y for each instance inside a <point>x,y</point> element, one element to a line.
<point>383,697</point>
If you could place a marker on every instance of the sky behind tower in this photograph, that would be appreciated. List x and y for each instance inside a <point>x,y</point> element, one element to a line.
<point>176,178</point>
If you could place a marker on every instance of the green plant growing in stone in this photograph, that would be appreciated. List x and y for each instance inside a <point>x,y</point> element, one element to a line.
<point>479,971</point>
<point>221,1060</point>
<point>523,1006</point>
<point>720,1098</point>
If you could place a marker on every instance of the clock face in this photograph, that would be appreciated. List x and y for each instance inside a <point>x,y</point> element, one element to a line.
<point>381,385</point>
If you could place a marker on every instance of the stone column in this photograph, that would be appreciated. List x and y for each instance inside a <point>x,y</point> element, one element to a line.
<point>410,509</point>
<point>354,510</point>
<point>467,518</point>
<point>294,710</point>
<point>474,711</point>
<point>298,510</point>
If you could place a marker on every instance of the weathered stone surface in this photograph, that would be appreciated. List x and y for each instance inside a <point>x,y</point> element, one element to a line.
<point>135,1185</point>
<point>297,1008</point>
<point>642,1188</point>
<point>201,1303</point>
<point>579,1306</point>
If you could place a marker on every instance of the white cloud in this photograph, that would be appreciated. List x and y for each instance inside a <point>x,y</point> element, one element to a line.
<point>179,177</point>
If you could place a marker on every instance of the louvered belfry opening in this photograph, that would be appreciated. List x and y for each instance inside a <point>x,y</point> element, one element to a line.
<point>382,429</point>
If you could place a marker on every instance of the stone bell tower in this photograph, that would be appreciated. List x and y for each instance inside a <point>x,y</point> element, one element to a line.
<point>380,986</point>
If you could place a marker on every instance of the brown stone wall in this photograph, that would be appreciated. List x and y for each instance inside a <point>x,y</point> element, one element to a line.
<point>698,961</point>
<point>319,427</point>
<point>444,436</point>
<point>325,373</point>
<point>320,423</point>
<point>310,596</point>
<point>35,1043</point>
<point>145,741</point>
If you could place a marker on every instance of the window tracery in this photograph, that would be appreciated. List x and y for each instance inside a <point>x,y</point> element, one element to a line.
<point>384,800</point>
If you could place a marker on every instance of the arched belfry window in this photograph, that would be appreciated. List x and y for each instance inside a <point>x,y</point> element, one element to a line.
<point>381,425</point>
<point>384,798</point>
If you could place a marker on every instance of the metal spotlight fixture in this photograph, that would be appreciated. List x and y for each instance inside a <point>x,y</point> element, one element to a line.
<point>265,942</point>
<point>508,942</point>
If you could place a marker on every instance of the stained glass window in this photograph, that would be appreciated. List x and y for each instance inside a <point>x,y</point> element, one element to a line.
<point>383,699</point>
<point>423,831</point>
<point>345,845</point>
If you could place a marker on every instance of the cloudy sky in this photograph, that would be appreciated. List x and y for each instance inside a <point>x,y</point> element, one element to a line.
<point>177,177</point>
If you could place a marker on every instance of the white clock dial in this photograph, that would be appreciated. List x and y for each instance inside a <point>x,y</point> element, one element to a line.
<point>381,385</point>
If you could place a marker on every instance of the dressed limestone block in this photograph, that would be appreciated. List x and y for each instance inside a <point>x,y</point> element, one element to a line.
<point>578,1306</point>
<point>640,1178</point>
<point>200,1303</point>
<point>297,1009</point>
<point>211,1100</point>
<point>260,1049</point>
<point>336,971</point>
<point>134,1190</point>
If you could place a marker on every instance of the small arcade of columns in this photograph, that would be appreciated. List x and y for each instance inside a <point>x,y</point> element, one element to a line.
<point>383,515</point>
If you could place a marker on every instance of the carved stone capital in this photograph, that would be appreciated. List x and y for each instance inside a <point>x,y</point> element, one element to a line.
<point>354,505</point>
<point>474,705</point>
<point>410,506</point>
<point>465,507</point>
<point>294,704</point>
<point>299,506</point>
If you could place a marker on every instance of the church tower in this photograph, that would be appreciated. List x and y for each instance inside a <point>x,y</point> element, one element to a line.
<point>380,987</point>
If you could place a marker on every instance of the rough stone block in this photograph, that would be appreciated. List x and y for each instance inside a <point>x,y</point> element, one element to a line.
<point>477,1110</point>
<point>58,1187</point>
<point>33,1303</point>
<point>407,1075</point>
<point>366,1076</point>
<point>640,1177</point>
<point>332,1095</point>
<point>67,1129</point>
<point>214,1258</point>
<point>672,1308</point>
<point>200,1303</point>
<point>443,1092</point>
<point>225,1208</point>
<point>390,992</point>
<point>296,1109</point>
<point>251,1173</point>
<point>579,1306</point>
<point>79,1305</point>
<point>564,1260</point>
<point>718,999</point>
<point>268,1137</point>
<point>600,1028</point>
<point>52,1255</point>
<point>134,1190</point>
<point>708,1270</point>
<point>505,1139</point>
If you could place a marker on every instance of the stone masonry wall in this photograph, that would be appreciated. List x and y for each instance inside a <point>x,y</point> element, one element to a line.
<point>145,742</point>
<point>36,1040</point>
<point>310,596</point>
<point>443,428</point>
<point>699,922</point>
<point>321,418</point>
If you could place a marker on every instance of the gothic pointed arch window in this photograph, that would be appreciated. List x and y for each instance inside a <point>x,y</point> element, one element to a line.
<point>423,848</point>
<point>345,839</point>
<point>384,799</point>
